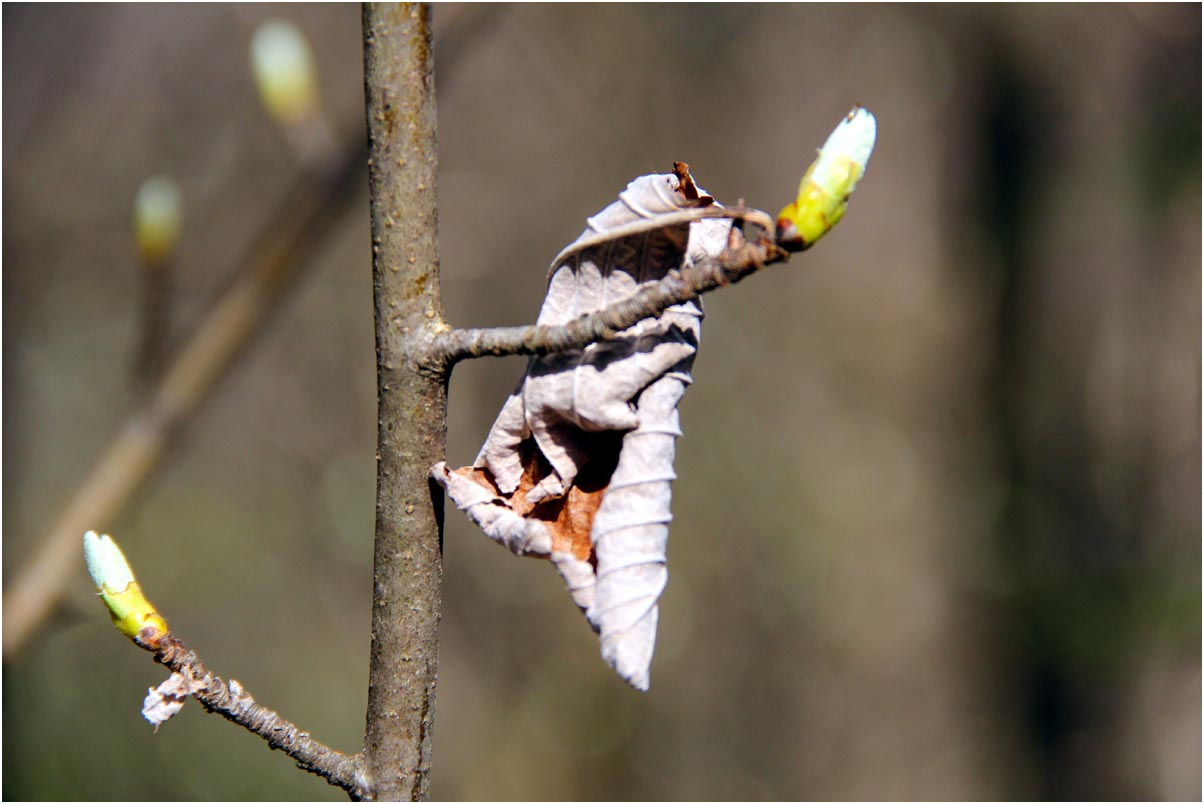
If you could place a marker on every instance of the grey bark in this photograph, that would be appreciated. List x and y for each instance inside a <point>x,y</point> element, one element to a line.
<point>412,400</point>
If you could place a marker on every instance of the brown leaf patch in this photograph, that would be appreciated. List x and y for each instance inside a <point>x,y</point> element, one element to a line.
<point>570,518</point>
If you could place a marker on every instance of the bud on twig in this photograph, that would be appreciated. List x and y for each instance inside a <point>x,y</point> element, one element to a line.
<point>824,191</point>
<point>157,223</point>
<point>287,77</point>
<point>157,216</point>
<point>284,71</point>
<point>132,613</point>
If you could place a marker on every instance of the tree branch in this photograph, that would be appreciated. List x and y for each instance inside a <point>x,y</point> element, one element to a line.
<point>412,401</point>
<point>741,259</point>
<point>137,618</point>
<point>234,703</point>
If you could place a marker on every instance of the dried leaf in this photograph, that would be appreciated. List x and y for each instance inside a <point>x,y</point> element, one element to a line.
<point>164,701</point>
<point>578,465</point>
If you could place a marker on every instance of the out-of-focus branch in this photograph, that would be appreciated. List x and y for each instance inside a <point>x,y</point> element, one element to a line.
<point>157,221</point>
<point>741,259</point>
<point>407,571</point>
<point>269,270</point>
<point>286,75</point>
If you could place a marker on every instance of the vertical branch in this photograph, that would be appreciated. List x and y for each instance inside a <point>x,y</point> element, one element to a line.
<point>411,398</point>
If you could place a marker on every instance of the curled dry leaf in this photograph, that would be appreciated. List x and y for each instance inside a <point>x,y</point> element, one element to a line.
<point>164,701</point>
<point>577,467</point>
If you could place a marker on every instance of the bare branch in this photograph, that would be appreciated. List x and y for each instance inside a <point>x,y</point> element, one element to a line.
<point>137,618</point>
<point>741,259</point>
<point>234,703</point>
<point>411,401</point>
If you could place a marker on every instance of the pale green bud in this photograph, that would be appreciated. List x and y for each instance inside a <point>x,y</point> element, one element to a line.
<point>131,612</point>
<point>824,192</point>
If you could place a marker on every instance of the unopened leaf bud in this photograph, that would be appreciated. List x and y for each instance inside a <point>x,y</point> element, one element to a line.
<point>824,191</point>
<point>132,613</point>
<point>284,71</point>
<point>157,216</point>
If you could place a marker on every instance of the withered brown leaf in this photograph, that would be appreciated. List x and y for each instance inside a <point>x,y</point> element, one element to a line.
<point>578,465</point>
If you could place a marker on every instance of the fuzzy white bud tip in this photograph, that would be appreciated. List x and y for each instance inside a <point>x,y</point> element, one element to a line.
<point>851,141</point>
<point>106,564</point>
<point>284,71</point>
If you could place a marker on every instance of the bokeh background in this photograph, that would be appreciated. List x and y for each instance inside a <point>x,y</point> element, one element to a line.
<point>938,521</point>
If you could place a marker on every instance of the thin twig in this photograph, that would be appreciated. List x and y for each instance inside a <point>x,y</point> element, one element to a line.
<point>271,268</point>
<point>737,262</point>
<point>234,703</point>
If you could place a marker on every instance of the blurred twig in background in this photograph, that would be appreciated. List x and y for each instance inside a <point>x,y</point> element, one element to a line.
<point>286,76</point>
<point>271,267</point>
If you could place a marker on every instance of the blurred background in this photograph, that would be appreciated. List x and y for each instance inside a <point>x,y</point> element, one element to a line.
<point>938,521</point>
